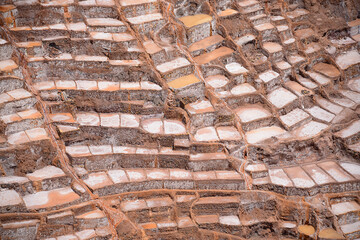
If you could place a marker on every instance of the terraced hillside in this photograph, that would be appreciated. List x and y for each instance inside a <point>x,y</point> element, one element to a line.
<point>179,119</point>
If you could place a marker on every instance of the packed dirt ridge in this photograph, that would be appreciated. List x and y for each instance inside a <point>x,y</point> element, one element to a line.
<point>179,119</point>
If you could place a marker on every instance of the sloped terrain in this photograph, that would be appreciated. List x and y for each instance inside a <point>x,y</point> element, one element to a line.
<point>179,119</point>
